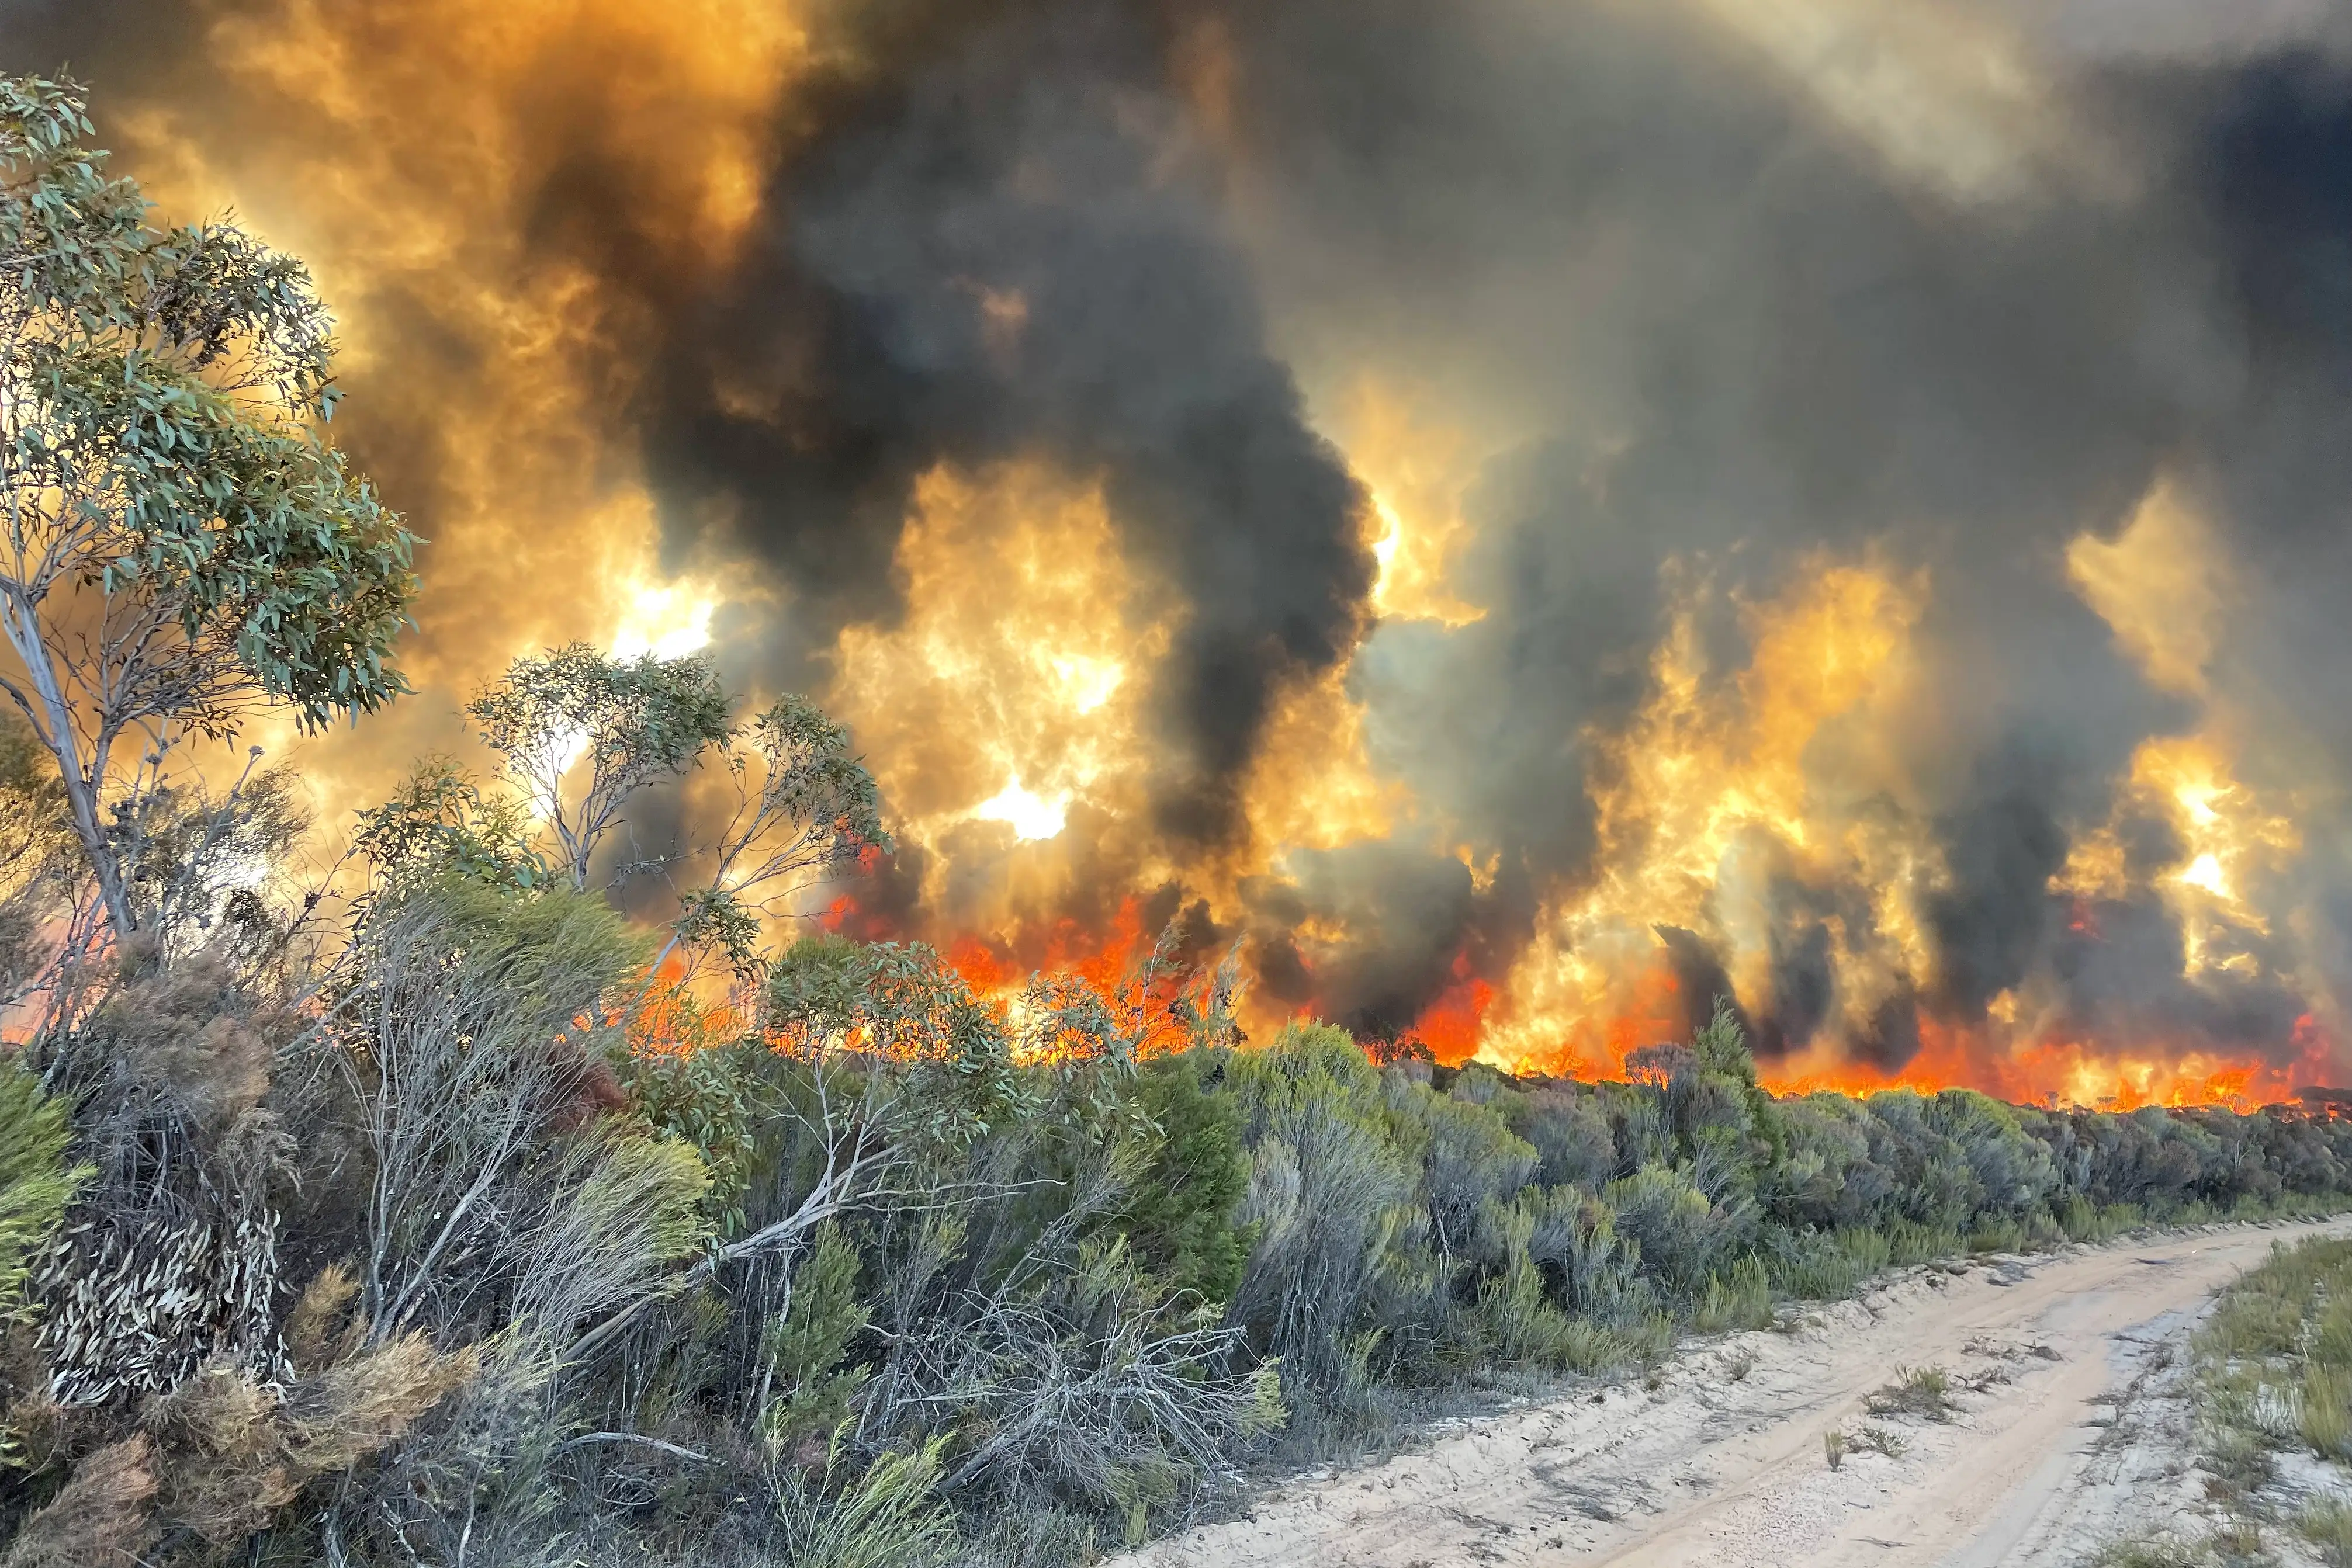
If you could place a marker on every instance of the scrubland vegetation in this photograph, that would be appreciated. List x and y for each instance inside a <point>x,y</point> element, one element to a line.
<point>444,1261</point>
<point>422,1208</point>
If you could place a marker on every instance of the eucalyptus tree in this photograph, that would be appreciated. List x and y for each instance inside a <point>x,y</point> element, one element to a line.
<point>612,725</point>
<point>180,547</point>
<point>579,733</point>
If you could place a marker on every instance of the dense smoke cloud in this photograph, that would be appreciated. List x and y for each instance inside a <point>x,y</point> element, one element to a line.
<point>1986,368</point>
<point>998,243</point>
<point>1746,331</point>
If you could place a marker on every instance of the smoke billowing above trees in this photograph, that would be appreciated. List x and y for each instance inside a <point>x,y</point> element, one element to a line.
<point>1389,432</point>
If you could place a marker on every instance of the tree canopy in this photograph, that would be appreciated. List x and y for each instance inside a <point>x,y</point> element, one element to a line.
<point>181,546</point>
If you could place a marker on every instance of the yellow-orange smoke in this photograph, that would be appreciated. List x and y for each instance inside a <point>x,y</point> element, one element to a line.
<point>1723,789</point>
<point>1012,695</point>
<point>2162,585</point>
<point>1418,471</point>
<point>398,150</point>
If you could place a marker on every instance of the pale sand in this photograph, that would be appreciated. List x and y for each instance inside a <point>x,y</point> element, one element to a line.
<point>2050,1459</point>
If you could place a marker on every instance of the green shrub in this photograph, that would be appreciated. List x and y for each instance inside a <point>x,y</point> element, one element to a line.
<point>1469,1160</point>
<point>1181,1217</point>
<point>1682,1235</point>
<point>1569,1132</point>
<point>1575,1238</point>
<point>1328,1183</point>
<point>1519,1324</point>
<point>804,1350</point>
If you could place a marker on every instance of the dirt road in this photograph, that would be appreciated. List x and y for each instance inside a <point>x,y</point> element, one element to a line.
<point>1719,1460</point>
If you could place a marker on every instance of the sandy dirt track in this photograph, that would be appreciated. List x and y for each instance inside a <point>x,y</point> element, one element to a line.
<point>1719,1461</point>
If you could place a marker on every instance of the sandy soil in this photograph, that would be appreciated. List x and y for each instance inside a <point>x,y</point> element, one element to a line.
<point>2062,1440</point>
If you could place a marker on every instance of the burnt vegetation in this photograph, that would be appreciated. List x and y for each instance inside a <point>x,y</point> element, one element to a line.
<point>426,1209</point>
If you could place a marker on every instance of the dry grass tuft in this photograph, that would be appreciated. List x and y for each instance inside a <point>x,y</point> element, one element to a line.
<point>312,1338</point>
<point>221,1475</point>
<point>234,1451</point>
<point>103,1519</point>
<point>343,1414</point>
<point>221,1413</point>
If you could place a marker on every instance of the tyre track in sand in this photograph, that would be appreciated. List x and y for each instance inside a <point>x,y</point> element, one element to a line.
<point>1718,1458</point>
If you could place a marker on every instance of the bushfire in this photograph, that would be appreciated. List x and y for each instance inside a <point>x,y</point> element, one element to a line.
<point>1518,523</point>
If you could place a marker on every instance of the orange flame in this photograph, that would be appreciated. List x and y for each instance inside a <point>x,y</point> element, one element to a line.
<point>2061,1073</point>
<point>1453,1025</point>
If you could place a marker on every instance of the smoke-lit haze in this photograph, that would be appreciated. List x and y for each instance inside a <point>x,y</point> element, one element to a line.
<point>1529,514</point>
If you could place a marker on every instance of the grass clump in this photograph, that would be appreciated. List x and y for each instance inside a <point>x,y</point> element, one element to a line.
<point>2326,1524</point>
<point>1837,1443</point>
<point>2325,1411</point>
<point>888,1516</point>
<point>1740,1299</point>
<point>2236,1541</point>
<point>1925,1392</point>
<point>1881,1440</point>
